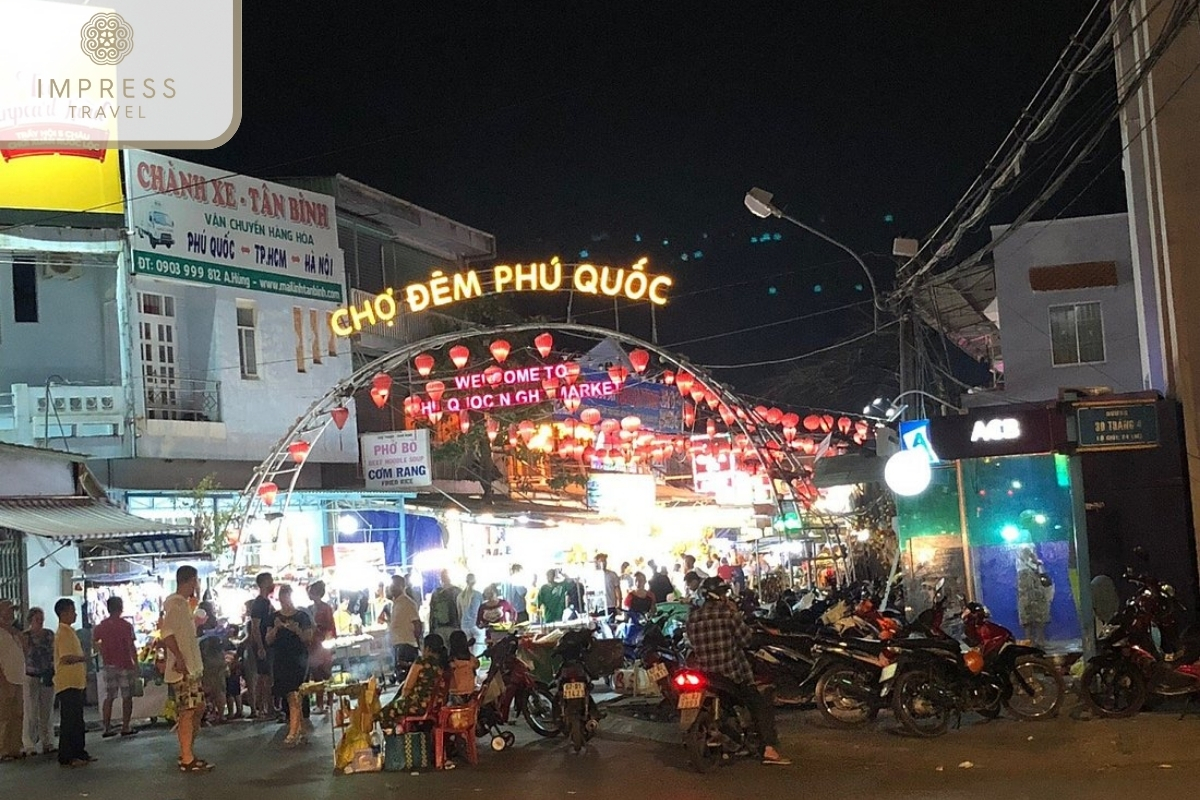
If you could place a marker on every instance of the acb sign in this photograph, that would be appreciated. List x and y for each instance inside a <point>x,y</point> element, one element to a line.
<point>1003,429</point>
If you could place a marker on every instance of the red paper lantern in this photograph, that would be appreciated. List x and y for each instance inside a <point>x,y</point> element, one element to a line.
<point>424,364</point>
<point>544,343</point>
<point>790,420</point>
<point>412,406</point>
<point>827,422</point>
<point>862,428</point>
<point>493,428</point>
<point>710,397</point>
<point>435,412</point>
<point>689,414</point>
<point>617,374</point>
<point>609,426</point>
<point>267,492</point>
<point>712,428</point>
<point>550,386</point>
<point>760,412</point>
<point>299,451</point>
<point>684,382</point>
<point>774,415</point>
<point>640,359</point>
<point>571,403</point>
<point>812,422</point>
<point>500,350</point>
<point>339,414</point>
<point>668,377</point>
<point>844,425</point>
<point>493,375</point>
<point>526,430</point>
<point>630,423</point>
<point>808,446</point>
<point>435,390</point>
<point>381,388</point>
<point>572,375</point>
<point>728,416</point>
<point>789,432</point>
<point>464,423</point>
<point>697,393</point>
<point>590,415</point>
<point>460,356</point>
<point>512,435</point>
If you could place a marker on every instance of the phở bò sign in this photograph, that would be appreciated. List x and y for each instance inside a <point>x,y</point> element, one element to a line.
<point>632,283</point>
<point>396,460</point>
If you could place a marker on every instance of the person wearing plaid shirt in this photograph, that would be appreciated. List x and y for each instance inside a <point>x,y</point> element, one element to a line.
<point>719,637</point>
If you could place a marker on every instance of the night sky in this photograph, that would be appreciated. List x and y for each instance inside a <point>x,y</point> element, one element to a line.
<point>563,127</point>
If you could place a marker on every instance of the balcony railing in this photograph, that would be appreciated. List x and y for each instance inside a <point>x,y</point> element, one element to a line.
<point>184,399</point>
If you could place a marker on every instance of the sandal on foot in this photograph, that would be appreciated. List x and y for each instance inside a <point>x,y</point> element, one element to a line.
<point>198,765</point>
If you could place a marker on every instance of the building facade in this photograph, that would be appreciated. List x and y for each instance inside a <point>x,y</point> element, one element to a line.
<point>1067,309</point>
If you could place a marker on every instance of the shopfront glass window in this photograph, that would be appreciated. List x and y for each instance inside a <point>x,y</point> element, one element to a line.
<point>1021,535</point>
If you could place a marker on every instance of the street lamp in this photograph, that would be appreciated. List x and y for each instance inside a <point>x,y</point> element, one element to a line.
<point>760,205</point>
<point>894,409</point>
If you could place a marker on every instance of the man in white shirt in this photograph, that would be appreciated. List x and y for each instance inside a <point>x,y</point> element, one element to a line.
<point>404,624</point>
<point>184,665</point>
<point>612,585</point>
<point>12,679</point>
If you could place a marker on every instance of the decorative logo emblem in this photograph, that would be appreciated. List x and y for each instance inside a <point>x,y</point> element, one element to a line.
<point>106,38</point>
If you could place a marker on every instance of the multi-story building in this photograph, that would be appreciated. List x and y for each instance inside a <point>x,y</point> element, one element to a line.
<point>1067,310</point>
<point>175,341</point>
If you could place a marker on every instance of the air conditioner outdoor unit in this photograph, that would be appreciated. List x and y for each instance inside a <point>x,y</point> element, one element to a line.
<point>61,265</point>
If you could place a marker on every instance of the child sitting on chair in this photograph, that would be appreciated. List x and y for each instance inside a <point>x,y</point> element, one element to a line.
<point>463,665</point>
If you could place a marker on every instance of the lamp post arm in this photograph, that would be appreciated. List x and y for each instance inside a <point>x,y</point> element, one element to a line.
<point>932,397</point>
<point>851,253</point>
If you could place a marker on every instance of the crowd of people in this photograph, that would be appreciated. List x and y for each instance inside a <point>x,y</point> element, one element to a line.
<point>225,670</point>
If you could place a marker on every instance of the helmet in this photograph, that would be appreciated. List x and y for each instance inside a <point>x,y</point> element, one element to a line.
<point>976,612</point>
<point>714,588</point>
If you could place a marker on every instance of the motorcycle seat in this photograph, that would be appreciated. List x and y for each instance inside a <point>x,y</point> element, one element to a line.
<point>949,645</point>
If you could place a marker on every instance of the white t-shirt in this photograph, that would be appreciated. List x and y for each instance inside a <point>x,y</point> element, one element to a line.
<point>178,621</point>
<point>400,625</point>
<point>612,589</point>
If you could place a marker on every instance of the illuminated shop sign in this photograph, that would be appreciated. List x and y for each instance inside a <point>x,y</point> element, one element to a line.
<point>996,430</point>
<point>631,283</point>
<point>993,432</point>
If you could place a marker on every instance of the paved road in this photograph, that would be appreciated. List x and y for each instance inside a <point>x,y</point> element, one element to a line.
<point>1061,759</point>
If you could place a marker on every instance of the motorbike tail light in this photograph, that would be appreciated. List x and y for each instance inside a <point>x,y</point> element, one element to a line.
<point>689,681</point>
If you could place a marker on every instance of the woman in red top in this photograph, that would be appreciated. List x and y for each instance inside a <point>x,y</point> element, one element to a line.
<point>320,659</point>
<point>494,610</point>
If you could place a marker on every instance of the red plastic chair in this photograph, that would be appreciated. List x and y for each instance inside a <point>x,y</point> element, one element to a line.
<point>456,721</point>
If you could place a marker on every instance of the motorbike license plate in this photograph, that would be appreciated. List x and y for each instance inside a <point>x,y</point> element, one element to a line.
<point>888,673</point>
<point>690,700</point>
<point>574,691</point>
<point>657,672</point>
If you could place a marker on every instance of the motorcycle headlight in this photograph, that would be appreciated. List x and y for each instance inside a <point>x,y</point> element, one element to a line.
<point>1168,590</point>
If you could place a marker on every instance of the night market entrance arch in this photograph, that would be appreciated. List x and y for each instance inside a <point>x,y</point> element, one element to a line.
<point>767,436</point>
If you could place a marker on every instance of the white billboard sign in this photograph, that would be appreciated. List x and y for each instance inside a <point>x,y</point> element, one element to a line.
<point>397,460</point>
<point>203,225</point>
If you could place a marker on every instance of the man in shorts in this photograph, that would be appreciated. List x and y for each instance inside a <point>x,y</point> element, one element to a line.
<point>115,639</point>
<point>262,616</point>
<point>184,665</point>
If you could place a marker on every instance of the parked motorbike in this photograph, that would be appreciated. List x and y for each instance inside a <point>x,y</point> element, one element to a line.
<point>520,691</point>
<point>784,660</point>
<point>716,724</point>
<point>935,686</point>
<point>1129,665</point>
<point>855,676</point>
<point>583,659</point>
<point>663,657</point>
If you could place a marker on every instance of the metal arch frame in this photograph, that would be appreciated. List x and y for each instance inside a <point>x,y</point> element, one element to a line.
<point>316,420</point>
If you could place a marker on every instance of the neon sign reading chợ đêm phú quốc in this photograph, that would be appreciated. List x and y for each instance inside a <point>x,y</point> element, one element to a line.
<point>442,290</point>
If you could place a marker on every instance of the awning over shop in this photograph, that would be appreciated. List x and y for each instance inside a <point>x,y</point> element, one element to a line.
<point>85,521</point>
